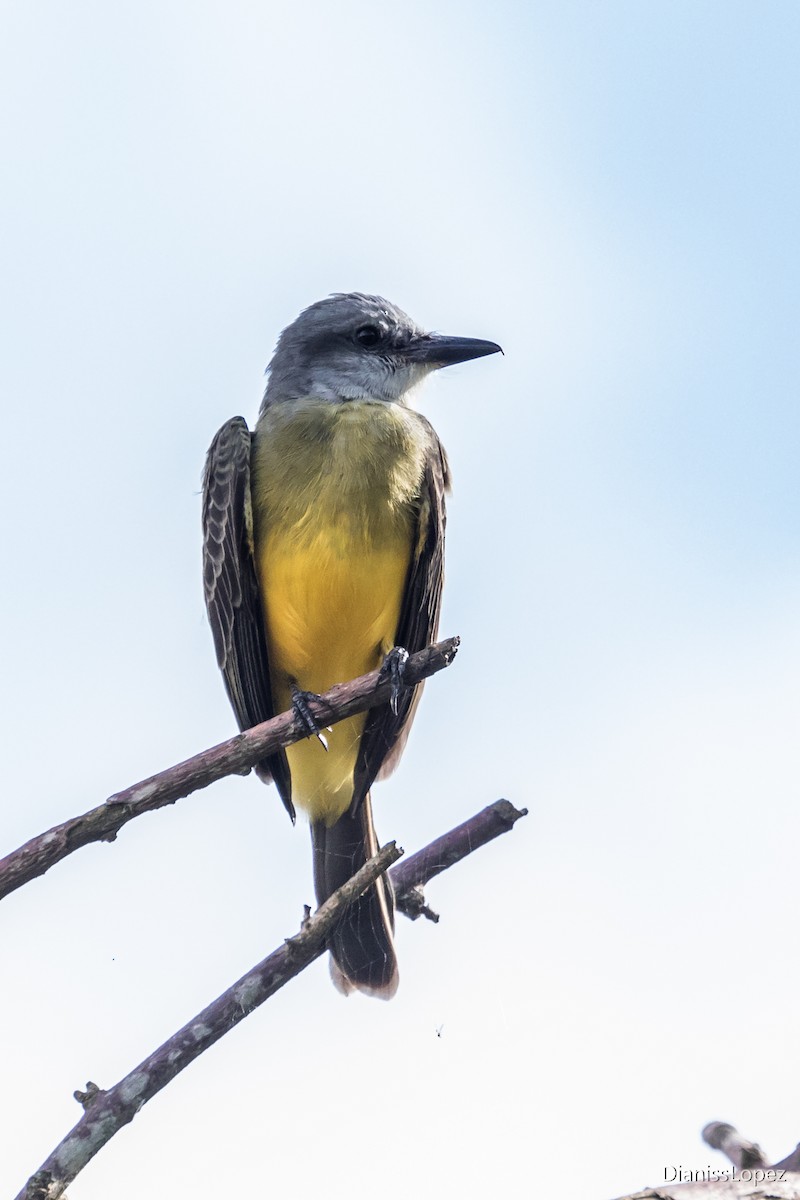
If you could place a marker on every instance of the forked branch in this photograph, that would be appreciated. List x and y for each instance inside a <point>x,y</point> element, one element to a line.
<point>413,873</point>
<point>108,1111</point>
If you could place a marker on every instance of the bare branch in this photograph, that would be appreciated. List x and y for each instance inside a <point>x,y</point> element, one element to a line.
<point>745,1154</point>
<point>756,1183</point>
<point>105,1112</point>
<point>741,1152</point>
<point>750,1177</point>
<point>414,872</point>
<point>237,756</point>
<point>108,1111</point>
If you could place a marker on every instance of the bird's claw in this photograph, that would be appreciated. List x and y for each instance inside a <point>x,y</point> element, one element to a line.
<point>394,668</point>
<point>303,713</point>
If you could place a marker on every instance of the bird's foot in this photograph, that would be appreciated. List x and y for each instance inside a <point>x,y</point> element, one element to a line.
<point>303,713</point>
<point>394,668</point>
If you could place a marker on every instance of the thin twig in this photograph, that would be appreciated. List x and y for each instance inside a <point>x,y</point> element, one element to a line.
<point>745,1154</point>
<point>741,1152</point>
<point>108,1111</point>
<point>414,872</point>
<point>237,756</point>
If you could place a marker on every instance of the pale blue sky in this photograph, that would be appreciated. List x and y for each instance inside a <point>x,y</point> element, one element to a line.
<point>611,191</point>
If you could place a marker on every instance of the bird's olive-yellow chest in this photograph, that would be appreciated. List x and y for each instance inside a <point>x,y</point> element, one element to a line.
<point>336,490</point>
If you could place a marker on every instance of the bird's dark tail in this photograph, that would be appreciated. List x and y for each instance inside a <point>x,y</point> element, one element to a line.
<point>362,946</point>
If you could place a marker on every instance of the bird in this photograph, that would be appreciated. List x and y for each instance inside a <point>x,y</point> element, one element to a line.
<point>323,550</point>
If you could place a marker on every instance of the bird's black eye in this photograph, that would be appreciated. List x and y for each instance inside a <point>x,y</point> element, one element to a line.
<point>369,336</point>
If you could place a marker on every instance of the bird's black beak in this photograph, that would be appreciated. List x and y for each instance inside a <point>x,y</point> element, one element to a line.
<point>439,350</point>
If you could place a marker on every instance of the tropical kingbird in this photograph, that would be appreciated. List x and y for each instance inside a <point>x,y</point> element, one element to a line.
<point>323,550</point>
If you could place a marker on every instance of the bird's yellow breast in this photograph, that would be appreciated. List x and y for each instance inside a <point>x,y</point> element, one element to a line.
<point>335,496</point>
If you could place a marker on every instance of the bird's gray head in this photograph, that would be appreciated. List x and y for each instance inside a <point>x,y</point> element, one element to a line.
<point>356,347</point>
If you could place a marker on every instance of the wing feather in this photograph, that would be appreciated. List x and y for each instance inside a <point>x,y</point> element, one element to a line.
<point>231,590</point>
<point>385,732</point>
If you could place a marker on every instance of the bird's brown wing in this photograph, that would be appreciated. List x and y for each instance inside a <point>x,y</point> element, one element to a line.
<point>231,590</point>
<point>385,732</point>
